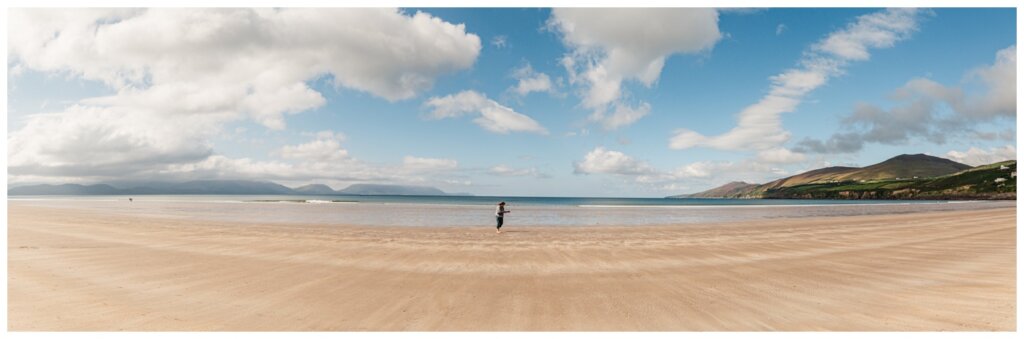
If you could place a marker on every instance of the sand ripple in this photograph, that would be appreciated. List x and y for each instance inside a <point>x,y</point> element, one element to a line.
<point>87,270</point>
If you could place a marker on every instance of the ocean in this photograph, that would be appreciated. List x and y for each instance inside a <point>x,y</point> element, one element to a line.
<point>479,210</point>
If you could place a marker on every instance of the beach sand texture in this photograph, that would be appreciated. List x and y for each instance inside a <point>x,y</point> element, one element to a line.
<point>86,270</point>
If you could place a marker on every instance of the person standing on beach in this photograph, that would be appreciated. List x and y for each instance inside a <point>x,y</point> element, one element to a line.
<point>499,214</point>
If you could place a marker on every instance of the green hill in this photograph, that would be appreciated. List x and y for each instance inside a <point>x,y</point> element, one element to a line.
<point>884,179</point>
<point>995,181</point>
<point>906,166</point>
<point>732,188</point>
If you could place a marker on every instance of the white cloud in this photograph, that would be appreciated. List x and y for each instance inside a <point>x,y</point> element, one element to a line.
<point>607,47</point>
<point>760,125</point>
<point>492,116</point>
<point>715,173</point>
<point>601,160</point>
<point>222,167</point>
<point>876,30</point>
<point>93,141</point>
<point>264,49</point>
<point>429,164</point>
<point>530,81</point>
<point>723,171</point>
<point>780,155</point>
<point>622,115</point>
<point>919,112</point>
<point>779,29</point>
<point>318,160</point>
<point>326,147</point>
<point>696,174</point>
<point>321,159</point>
<point>1001,81</point>
<point>976,157</point>
<point>181,74</point>
<point>701,169</point>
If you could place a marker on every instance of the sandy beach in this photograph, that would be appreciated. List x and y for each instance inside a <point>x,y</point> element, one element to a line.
<point>81,270</point>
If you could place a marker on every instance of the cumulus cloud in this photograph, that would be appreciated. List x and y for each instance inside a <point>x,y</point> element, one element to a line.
<point>601,160</point>
<point>92,141</point>
<point>702,169</point>
<point>326,147</point>
<point>1001,81</point>
<point>918,111</point>
<point>760,125</point>
<point>493,116</point>
<point>780,155</point>
<point>321,159</point>
<point>263,49</point>
<point>222,167</point>
<point>180,74</point>
<point>696,174</point>
<point>703,175</point>
<point>622,115</point>
<point>716,171</point>
<point>975,156</point>
<point>529,81</point>
<point>610,46</point>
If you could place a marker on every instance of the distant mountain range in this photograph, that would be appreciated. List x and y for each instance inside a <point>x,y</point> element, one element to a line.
<point>908,176</point>
<point>230,187</point>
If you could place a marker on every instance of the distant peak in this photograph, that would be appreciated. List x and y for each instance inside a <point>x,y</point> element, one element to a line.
<point>919,156</point>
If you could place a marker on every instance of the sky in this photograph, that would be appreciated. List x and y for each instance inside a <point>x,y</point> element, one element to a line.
<point>502,101</point>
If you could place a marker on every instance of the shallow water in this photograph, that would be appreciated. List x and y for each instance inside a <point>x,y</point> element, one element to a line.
<point>479,211</point>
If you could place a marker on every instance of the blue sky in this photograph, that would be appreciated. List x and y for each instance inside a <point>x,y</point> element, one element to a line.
<point>399,97</point>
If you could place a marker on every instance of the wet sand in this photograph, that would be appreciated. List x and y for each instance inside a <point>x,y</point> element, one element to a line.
<point>81,270</point>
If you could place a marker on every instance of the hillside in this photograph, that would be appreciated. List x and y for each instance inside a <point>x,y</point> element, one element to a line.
<point>315,189</point>
<point>907,166</point>
<point>730,189</point>
<point>819,175</point>
<point>995,181</point>
<point>902,168</point>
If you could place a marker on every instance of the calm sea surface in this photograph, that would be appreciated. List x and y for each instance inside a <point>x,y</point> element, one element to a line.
<point>479,210</point>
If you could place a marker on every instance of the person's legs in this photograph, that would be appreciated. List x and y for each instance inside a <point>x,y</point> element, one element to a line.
<point>500,221</point>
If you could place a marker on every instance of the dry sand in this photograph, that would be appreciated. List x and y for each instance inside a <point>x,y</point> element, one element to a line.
<point>83,271</point>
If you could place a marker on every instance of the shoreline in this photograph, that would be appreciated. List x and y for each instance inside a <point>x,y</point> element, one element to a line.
<point>87,270</point>
<point>488,224</point>
<point>377,214</point>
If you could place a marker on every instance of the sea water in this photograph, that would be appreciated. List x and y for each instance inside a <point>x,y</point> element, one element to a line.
<point>479,210</point>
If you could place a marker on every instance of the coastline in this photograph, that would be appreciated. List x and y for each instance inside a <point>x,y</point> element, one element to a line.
<point>88,270</point>
<point>417,214</point>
